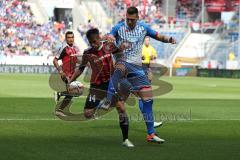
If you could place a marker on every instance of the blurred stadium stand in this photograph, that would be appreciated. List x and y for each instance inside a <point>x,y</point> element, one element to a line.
<point>35,28</point>
<point>22,35</point>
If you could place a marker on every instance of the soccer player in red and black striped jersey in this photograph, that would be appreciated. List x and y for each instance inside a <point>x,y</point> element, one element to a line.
<point>100,59</point>
<point>67,54</point>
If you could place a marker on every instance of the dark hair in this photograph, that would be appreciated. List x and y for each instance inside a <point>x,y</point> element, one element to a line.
<point>91,32</point>
<point>132,10</point>
<point>68,32</point>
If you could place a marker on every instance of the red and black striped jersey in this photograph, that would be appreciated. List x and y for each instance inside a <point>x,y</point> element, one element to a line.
<point>69,59</point>
<point>101,64</point>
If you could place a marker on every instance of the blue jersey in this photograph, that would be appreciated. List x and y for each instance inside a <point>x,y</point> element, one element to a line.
<point>134,37</point>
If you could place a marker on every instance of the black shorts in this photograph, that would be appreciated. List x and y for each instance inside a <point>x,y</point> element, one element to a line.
<point>96,94</point>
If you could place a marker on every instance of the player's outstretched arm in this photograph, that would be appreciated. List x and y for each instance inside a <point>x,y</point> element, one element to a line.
<point>165,39</point>
<point>154,34</point>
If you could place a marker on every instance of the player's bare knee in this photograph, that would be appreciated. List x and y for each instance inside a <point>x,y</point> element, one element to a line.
<point>145,94</point>
<point>120,107</point>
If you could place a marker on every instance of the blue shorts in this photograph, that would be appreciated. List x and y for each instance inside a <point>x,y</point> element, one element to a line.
<point>136,76</point>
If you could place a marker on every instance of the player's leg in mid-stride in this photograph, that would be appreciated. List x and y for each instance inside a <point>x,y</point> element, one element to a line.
<point>124,123</point>
<point>142,87</point>
<point>132,32</point>
<point>63,104</point>
<point>101,64</point>
<point>149,75</point>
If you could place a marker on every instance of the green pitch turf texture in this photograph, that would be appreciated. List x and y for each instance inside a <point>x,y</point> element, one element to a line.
<point>209,129</point>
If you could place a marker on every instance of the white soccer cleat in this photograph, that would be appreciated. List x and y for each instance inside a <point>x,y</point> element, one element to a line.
<point>157,124</point>
<point>60,112</point>
<point>104,104</point>
<point>153,138</point>
<point>127,143</point>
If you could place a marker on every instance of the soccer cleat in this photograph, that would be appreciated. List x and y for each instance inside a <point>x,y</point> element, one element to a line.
<point>104,104</point>
<point>153,138</point>
<point>157,124</point>
<point>56,97</point>
<point>127,143</point>
<point>60,112</point>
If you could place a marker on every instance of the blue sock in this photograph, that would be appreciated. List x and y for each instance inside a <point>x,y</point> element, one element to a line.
<point>148,115</point>
<point>113,84</point>
<point>140,105</point>
<point>110,91</point>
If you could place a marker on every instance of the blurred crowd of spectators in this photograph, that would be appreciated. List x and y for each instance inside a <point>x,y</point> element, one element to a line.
<point>152,12</point>
<point>21,35</point>
<point>16,11</point>
<point>188,9</point>
<point>83,28</point>
<point>149,10</point>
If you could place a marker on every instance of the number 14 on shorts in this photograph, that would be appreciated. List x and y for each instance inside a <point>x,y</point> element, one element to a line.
<point>92,98</point>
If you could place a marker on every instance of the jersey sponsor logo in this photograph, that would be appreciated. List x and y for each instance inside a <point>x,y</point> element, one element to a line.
<point>132,39</point>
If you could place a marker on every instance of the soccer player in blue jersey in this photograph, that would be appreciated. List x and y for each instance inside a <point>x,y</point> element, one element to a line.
<point>128,65</point>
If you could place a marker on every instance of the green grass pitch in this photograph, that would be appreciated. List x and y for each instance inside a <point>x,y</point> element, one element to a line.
<point>209,129</point>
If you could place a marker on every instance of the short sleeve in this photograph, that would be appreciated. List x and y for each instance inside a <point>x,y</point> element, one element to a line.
<point>60,53</point>
<point>115,29</point>
<point>150,32</point>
